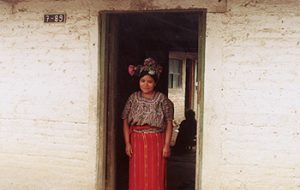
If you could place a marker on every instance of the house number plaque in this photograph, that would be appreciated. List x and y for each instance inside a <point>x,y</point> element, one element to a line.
<point>54,18</point>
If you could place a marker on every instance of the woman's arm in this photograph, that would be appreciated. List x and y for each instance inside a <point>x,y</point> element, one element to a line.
<point>169,130</point>
<point>126,133</point>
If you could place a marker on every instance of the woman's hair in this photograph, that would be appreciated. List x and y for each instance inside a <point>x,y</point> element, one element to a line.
<point>154,76</point>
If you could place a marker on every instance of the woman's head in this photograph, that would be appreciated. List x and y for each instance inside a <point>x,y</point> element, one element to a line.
<point>147,84</point>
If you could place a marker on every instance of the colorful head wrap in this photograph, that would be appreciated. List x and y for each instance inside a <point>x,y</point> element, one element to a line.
<point>150,66</point>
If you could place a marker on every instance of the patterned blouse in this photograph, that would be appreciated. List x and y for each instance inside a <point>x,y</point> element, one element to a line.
<point>154,112</point>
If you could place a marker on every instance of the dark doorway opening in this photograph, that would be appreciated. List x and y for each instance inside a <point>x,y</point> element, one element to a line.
<point>130,38</point>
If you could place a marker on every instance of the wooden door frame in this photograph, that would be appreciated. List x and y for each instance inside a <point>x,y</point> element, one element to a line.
<point>200,98</point>
<point>103,92</point>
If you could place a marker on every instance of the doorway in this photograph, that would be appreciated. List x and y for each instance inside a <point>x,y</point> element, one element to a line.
<point>129,39</point>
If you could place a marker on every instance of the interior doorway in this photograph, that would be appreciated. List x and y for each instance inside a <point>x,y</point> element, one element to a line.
<point>129,39</point>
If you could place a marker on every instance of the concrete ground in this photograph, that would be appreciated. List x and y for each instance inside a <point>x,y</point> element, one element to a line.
<point>181,171</point>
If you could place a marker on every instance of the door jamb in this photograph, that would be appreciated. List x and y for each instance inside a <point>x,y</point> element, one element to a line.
<point>102,97</point>
<point>200,98</point>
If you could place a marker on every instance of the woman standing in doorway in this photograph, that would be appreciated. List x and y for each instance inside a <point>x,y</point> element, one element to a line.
<point>147,128</point>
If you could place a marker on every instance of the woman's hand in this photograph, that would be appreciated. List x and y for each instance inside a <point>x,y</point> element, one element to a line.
<point>128,150</point>
<point>126,133</point>
<point>166,151</point>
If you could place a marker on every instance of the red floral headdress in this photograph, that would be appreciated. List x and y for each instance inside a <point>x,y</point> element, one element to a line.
<point>150,66</point>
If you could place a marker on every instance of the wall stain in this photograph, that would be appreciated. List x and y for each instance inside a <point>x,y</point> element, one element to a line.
<point>142,4</point>
<point>10,1</point>
<point>251,3</point>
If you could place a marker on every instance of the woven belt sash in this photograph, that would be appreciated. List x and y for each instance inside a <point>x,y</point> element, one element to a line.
<point>146,129</point>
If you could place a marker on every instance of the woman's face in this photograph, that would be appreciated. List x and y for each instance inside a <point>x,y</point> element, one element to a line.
<point>147,84</point>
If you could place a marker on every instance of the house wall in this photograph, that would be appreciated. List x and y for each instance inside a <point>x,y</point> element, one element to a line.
<point>252,97</point>
<point>48,90</point>
<point>49,78</point>
<point>177,96</point>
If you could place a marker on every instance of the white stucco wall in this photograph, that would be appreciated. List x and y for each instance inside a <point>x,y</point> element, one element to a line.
<point>252,97</point>
<point>49,82</point>
<point>47,90</point>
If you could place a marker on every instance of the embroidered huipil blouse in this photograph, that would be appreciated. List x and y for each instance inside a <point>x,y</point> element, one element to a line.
<point>155,112</point>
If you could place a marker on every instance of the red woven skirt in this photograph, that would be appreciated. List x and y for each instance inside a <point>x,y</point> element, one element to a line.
<point>147,166</point>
